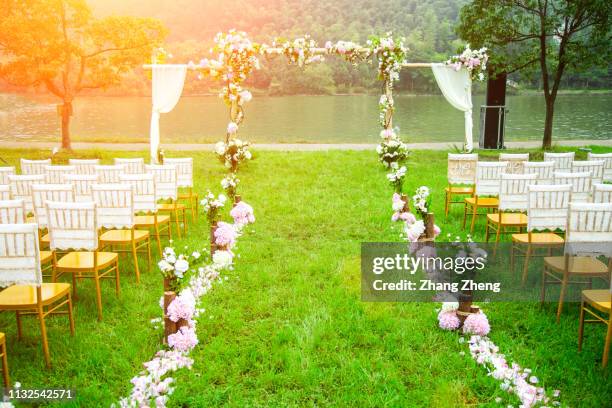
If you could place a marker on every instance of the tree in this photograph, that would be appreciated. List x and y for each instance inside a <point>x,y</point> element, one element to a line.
<point>59,45</point>
<point>554,35</point>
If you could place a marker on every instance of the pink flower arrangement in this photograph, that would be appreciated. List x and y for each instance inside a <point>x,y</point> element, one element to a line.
<point>182,307</point>
<point>242,214</point>
<point>183,340</point>
<point>225,235</point>
<point>448,320</point>
<point>232,128</point>
<point>476,323</point>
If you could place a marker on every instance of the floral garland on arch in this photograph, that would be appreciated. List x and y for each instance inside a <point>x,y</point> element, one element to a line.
<point>300,52</point>
<point>475,61</point>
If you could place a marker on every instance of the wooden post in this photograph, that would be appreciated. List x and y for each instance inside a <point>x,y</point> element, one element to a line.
<point>404,198</point>
<point>237,199</point>
<point>213,246</point>
<point>429,225</point>
<point>169,325</point>
<point>465,305</point>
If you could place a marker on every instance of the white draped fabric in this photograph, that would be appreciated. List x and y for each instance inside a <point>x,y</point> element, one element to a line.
<point>456,86</point>
<point>168,81</point>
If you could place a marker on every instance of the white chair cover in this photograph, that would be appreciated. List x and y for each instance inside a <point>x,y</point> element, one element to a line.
<point>109,174</point>
<point>488,178</point>
<point>84,166</point>
<point>595,167</point>
<point>184,170</point>
<point>581,184</point>
<point>165,180</point>
<point>462,168</point>
<point>82,185</point>
<point>4,173</point>
<point>544,170</point>
<point>589,229</point>
<point>513,191</point>
<point>21,188</point>
<point>41,193</point>
<point>456,86</point>
<point>607,158</point>
<point>563,161</point>
<point>131,166</point>
<point>55,174</point>
<point>5,192</point>
<point>19,255</point>
<point>145,197</point>
<point>602,193</point>
<point>114,204</point>
<point>34,167</point>
<point>515,162</point>
<point>12,212</point>
<point>72,226</point>
<point>547,206</point>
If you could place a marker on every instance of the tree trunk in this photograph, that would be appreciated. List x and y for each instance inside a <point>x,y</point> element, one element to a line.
<point>548,123</point>
<point>66,113</point>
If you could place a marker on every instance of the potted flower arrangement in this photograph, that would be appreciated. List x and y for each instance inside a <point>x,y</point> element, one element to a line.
<point>211,205</point>
<point>233,152</point>
<point>421,201</point>
<point>230,185</point>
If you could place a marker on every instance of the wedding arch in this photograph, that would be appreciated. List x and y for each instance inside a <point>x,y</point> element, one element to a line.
<point>237,57</point>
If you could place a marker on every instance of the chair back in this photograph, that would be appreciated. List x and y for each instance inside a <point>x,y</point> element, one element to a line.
<point>82,185</point>
<point>547,206</point>
<point>72,226</point>
<point>581,184</point>
<point>461,168</point>
<point>515,161</point>
<point>607,158</point>
<point>34,167</point>
<point>131,166</point>
<point>488,177</point>
<point>602,193</point>
<point>21,188</point>
<point>563,161</point>
<point>595,167</point>
<point>4,173</point>
<point>544,170</point>
<point>5,192</point>
<point>114,204</point>
<point>41,193</point>
<point>109,174</point>
<point>84,166</point>
<point>143,185</point>
<point>55,174</point>
<point>513,191</point>
<point>165,180</point>
<point>589,229</point>
<point>19,255</point>
<point>12,212</point>
<point>184,170</point>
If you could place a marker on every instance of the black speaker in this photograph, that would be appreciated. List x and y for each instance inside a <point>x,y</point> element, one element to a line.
<point>494,119</point>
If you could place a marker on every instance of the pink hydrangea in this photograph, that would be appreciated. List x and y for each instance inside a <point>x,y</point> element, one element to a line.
<point>437,230</point>
<point>181,308</point>
<point>477,324</point>
<point>225,235</point>
<point>183,340</point>
<point>242,214</point>
<point>448,320</point>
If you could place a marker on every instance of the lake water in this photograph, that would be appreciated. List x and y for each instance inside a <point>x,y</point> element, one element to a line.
<point>295,119</point>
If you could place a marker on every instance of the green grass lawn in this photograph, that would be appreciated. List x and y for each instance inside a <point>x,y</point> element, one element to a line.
<point>287,327</point>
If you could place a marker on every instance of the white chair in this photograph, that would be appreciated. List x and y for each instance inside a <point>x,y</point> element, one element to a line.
<point>607,158</point>
<point>145,202</point>
<point>581,184</point>
<point>131,166</point>
<point>82,185</point>
<point>55,174</point>
<point>34,167</point>
<point>41,193</point>
<point>547,208</point>
<point>512,205</point>
<point>588,235</point>
<point>115,207</point>
<point>184,177</point>
<point>4,173</point>
<point>109,174</point>
<point>5,192</point>
<point>461,176</point>
<point>12,212</point>
<point>26,293</point>
<point>595,167</point>
<point>21,188</point>
<point>602,193</point>
<point>73,227</point>
<point>515,161</point>
<point>167,189</point>
<point>84,166</point>
<point>486,189</point>
<point>544,170</point>
<point>563,161</point>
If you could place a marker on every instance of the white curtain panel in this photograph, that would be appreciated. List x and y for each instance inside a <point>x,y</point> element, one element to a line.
<point>168,81</point>
<point>456,86</point>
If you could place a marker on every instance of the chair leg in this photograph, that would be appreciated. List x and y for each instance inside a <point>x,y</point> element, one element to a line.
<point>192,204</point>
<point>158,238</point>
<point>512,258</point>
<point>43,333</point>
<point>178,222</point>
<point>487,231</point>
<point>561,297</point>
<point>149,253</point>
<point>475,209</point>
<point>117,285</point>
<point>98,297</point>
<point>497,237</point>
<point>5,368</point>
<point>446,205</point>
<point>19,330</point>
<point>581,326</point>
<point>135,256</point>
<point>606,353</point>
<point>465,207</point>
<point>185,222</point>
<point>543,290</point>
<point>74,286</point>
<point>70,315</point>
<point>526,265</point>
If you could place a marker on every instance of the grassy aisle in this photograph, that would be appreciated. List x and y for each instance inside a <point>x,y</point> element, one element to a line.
<point>287,327</point>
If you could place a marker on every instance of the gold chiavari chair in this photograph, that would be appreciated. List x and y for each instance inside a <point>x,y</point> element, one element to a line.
<point>167,189</point>
<point>21,188</point>
<point>602,193</point>
<point>55,174</point>
<point>84,166</point>
<point>607,158</point>
<point>184,174</point>
<point>34,167</point>
<point>516,162</point>
<point>131,166</point>
<point>108,174</point>
<point>595,167</point>
<point>596,303</point>
<point>581,185</point>
<point>5,368</point>
<point>461,175</point>
<point>4,173</point>
<point>486,191</point>
<point>563,161</point>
